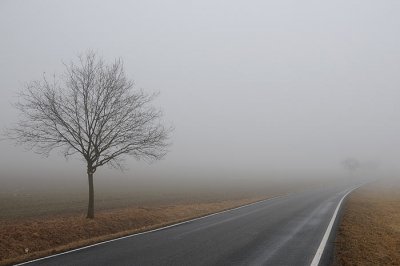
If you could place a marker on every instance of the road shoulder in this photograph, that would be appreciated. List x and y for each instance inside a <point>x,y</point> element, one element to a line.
<point>369,231</point>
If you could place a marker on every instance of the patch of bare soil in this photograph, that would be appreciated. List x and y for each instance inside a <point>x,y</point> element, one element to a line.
<point>22,240</point>
<point>369,233</point>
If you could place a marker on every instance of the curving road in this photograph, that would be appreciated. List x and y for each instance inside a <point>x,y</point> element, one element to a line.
<point>285,230</point>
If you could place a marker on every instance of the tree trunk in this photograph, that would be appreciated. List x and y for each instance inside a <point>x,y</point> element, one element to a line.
<point>90,211</point>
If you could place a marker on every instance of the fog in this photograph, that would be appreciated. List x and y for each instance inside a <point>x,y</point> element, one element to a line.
<point>254,89</point>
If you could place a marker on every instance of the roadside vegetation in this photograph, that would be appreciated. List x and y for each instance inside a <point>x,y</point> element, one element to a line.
<point>369,233</point>
<point>94,111</point>
<point>35,237</point>
<point>37,222</point>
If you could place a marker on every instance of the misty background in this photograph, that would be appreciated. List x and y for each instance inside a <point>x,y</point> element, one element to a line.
<point>253,88</point>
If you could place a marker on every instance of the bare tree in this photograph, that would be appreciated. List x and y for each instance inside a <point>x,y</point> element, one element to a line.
<point>351,164</point>
<point>91,110</point>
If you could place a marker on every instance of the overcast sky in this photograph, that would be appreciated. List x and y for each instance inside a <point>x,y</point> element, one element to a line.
<point>248,85</point>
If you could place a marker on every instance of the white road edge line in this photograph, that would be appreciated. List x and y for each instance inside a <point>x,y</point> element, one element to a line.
<point>322,245</point>
<point>151,231</point>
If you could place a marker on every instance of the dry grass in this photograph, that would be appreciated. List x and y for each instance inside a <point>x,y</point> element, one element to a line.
<point>369,233</point>
<point>52,234</point>
<point>49,218</point>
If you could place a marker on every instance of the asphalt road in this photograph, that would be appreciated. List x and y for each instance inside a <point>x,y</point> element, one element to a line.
<point>286,230</point>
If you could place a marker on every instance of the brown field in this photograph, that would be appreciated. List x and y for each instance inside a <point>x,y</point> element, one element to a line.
<point>47,235</point>
<point>40,220</point>
<point>369,233</point>
<point>44,217</point>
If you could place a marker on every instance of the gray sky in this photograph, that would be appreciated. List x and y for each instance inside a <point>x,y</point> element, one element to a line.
<point>249,85</point>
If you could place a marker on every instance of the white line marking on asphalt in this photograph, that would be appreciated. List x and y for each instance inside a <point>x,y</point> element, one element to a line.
<point>151,231</point>
<point>324,240</point>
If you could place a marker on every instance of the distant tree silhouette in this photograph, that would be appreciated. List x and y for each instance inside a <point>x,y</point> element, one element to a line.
<point>351,164</point>
<point>94,111</point>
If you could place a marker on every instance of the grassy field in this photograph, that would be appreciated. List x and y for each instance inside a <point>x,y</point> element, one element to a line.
<point>35,237</point>
<point>41,197</point>
<point>47,217</point>
<point>52,198</point>
<point>369,233</point>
